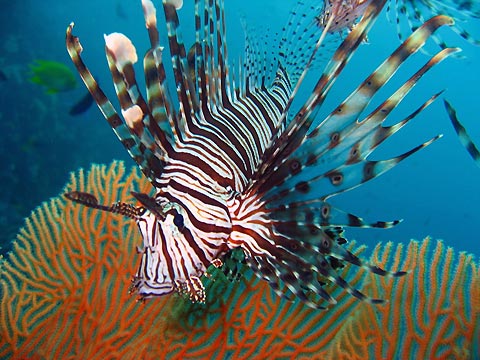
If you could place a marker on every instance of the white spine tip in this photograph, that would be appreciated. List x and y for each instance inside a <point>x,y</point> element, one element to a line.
<point>177,3</point>
<point>133,116</point>
<point>122,48</point>
<point>150,14</point>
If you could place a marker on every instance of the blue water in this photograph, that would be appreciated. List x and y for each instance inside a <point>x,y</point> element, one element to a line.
<point>436,191</point>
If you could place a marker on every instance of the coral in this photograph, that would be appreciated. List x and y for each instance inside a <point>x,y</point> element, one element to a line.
<point>65,295</point>
<point>64,287</point>
<point>434,313</point>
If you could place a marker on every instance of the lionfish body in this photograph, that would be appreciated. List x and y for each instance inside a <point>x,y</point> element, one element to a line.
<point>232,168</point>
<point>345,14</point>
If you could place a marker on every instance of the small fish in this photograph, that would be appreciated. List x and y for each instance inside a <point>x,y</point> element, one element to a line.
<point>345,14</point>
<point>465,139</point>
<point>54,76</point>
<point>120,11</point>
<point>81,105</point>
<point>3,76</point>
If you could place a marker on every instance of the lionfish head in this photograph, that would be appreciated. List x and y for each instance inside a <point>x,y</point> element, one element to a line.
<point>181,238</point>
<point>171,257</point>
<point>153,277</point>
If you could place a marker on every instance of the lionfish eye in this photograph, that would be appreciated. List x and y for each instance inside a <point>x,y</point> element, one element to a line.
<point>178,221</point>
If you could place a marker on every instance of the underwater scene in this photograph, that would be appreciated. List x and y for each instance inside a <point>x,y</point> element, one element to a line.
<point>226,179</point>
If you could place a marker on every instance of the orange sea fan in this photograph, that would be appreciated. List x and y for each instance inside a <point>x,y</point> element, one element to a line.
<point>64,286</point>
<point>65,295</point>
<point>433,313</point>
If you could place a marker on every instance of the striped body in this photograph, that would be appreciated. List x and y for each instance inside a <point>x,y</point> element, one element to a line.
<point>203,180</point>
<point>234,166</point>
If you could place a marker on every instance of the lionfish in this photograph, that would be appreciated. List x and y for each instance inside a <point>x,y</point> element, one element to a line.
<point>404,13</point>
<point>344,14</point>
<point>412,13</point>
<point>465,139</point>
<point>234,167</point>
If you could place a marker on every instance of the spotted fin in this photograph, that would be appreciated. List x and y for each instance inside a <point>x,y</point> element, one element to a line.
<point>311,161</point>
<point>321,214</point>
<point>303,260</point>
<point>333,157</point>
<point>288,140</point>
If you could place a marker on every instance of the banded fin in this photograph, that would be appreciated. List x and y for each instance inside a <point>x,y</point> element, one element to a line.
<point>121,56</point>
<point>299,39</point>
<point>412,13</point>
<point>186,90</point>
<point>462,133</point>
<point>233,264</point>
<point>149,164</point>
<point>332,158</point>
<point>289,139</point>
<point>300,253</point>
<point>150,204</point>
<point>158,95</point>
<point>303,260</point>
<point>91,201</point>
<point>322,214</point>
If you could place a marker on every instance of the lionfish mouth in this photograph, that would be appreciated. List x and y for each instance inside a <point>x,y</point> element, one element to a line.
<point>236,166</point>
